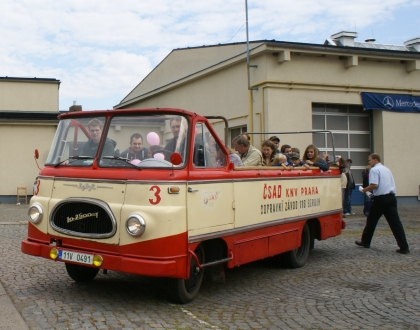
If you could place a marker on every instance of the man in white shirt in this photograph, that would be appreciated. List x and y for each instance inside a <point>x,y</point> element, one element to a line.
<point>381,183</point>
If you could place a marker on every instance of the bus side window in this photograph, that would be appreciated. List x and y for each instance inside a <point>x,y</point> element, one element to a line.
<point>198,156</point>
<point>207,153</point>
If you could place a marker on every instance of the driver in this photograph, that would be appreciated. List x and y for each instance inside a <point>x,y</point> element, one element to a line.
<point>136,149</point>
<point>91,147</point>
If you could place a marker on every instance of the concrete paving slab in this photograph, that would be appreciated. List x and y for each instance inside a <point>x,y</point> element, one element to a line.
<point>10,319</point>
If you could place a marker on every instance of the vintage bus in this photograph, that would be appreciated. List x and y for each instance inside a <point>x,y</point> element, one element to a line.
<point>114,196</point>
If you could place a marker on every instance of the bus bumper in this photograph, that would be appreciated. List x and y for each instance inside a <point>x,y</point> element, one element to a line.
<point>140,266</point>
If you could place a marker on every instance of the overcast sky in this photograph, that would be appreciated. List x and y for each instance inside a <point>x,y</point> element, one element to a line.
<point>100,50</point>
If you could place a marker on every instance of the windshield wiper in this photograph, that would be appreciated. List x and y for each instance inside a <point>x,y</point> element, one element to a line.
<point>126,160</point>
<point>74,159</point>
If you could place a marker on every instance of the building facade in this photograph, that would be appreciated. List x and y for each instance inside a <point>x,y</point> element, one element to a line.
<point>300,87</point>
<point>28,120</point>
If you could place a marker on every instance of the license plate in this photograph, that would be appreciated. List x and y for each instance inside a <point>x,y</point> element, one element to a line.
<point>75,257</point>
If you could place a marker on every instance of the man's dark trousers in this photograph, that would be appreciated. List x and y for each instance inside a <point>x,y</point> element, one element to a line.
<point>385,205</point>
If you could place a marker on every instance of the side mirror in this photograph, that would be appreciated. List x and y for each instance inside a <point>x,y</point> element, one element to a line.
<point>36,156</point>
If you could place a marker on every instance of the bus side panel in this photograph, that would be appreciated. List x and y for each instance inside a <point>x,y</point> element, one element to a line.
<point>262,243</point>
<point>284,242</point>
<point>260,248</point>
<point>272,199</point>
<point>331,226</point>
<point>251,250</point>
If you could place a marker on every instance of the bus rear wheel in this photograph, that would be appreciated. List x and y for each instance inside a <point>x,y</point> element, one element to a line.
<point>184,291</point>
<point>298,257</point>
<point>81,273</point>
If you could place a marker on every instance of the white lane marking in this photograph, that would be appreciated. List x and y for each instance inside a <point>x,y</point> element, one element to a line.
<point>191,315</point>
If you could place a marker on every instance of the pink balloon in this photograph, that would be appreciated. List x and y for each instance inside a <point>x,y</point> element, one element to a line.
<point>153,138</point>
<point>135,161</point>
<point>159,156</point>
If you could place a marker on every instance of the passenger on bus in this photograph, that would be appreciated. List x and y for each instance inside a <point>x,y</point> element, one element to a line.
<point>234,158</point>
<point>281,160</point>
<point>173,144</point>
<point>327,158</point>
<point>276,141</point>
<point>248,137</point>
<point>295,159</point>
<point>136,149</point>
<point>311,157</point>
<point>296,150</point>
<point>268,151</point>
<point>286,150</point>
<point>250,156</point>
<point>91,146</point>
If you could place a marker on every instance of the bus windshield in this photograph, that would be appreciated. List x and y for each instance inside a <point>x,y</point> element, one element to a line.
<point>136,141</point>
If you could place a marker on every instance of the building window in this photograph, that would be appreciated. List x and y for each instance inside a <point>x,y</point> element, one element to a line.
<point>235,131</point>
<point>351,127</point>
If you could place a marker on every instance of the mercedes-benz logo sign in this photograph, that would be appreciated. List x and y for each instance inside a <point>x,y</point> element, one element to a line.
<point>388,102</point>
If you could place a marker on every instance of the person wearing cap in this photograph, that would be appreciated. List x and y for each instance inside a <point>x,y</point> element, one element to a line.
<point>250,156</point>
<point>295,159</point>
<point>276,141</point>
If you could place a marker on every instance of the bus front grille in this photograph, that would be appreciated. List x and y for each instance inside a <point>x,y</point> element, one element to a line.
<point>83,218</point>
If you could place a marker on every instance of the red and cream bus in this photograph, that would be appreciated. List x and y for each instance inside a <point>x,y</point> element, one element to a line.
<point>176,212</point>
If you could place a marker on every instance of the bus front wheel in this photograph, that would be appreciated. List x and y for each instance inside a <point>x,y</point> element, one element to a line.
<point>298,257</point>
<point>184,291</point>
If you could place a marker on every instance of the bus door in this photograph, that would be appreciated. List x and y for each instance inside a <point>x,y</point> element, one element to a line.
<point>210,206</point>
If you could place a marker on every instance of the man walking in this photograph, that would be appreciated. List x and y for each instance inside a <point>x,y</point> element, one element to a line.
<point>384,202</point>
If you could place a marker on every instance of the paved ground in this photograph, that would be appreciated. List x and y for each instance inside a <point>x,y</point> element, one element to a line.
<point>342,287</point>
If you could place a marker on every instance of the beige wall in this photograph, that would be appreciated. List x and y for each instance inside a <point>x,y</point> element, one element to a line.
<point>28,96</point>
<point>18,139</point>
<point>17,143</point>
<point>181,63</point>
<point>291,110</point>
<point>400,155</point>
<point>224,93</point>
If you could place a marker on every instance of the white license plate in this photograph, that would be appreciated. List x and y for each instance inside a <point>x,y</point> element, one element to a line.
<point>75,257</point>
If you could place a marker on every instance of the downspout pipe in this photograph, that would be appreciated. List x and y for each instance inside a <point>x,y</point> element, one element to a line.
<point>251,110</point>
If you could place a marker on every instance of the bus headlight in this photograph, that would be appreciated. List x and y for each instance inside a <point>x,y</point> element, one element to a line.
<point>35,213</point>
<point>135,225</point>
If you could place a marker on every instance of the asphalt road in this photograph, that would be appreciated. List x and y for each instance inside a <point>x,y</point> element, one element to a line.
<point>343,286</point>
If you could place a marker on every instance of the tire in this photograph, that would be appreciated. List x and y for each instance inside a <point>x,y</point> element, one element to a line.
<point>81,273</point>
<point>297,258</point>
<point>184,291</point>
